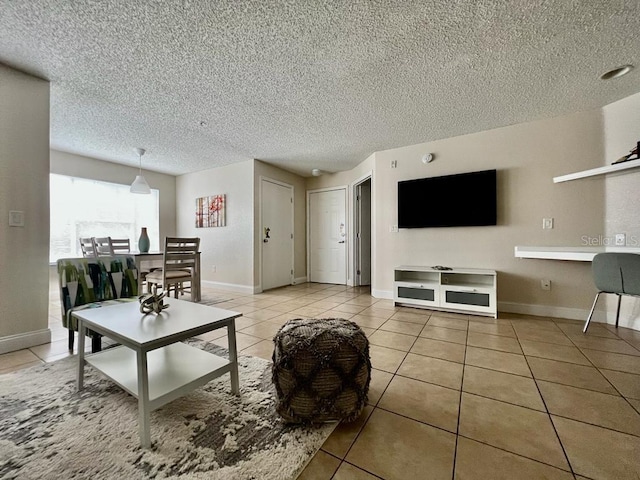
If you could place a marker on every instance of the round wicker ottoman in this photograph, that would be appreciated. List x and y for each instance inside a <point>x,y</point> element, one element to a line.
<point>321,370</point>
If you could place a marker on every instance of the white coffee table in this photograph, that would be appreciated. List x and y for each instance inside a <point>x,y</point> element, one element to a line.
<point>152,364</point>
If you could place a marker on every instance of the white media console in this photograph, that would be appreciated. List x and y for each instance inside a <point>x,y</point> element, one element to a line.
<point>462,290</point>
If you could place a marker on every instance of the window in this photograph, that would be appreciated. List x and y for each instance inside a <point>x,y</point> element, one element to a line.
<point>89,208</point>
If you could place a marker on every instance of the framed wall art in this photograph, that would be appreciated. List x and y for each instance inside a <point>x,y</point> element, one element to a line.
<point>210,211</point>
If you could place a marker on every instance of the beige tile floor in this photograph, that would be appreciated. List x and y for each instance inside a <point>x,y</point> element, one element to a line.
<point>453,396</point>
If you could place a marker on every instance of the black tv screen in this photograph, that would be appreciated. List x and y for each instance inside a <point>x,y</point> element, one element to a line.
<point>461,200</point>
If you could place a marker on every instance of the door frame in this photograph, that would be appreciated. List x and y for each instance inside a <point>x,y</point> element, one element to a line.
<point>353,266</point>
<point>347,238</point>
<point>258,234</point>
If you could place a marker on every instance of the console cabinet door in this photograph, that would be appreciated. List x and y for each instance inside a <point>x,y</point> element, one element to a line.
<point>473,299</point>
<point>423,294</point>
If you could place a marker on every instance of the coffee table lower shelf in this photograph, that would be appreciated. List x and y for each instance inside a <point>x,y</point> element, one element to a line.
<point>173,370</point>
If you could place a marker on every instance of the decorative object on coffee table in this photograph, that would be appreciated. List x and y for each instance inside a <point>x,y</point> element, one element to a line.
<point>321,370</point>
<point>152,303</point>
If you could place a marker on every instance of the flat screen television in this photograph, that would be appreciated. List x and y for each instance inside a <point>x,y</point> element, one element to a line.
<point>460,200</point>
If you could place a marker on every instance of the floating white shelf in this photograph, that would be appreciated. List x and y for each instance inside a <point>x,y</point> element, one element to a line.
<point>580,254</point>
<point>598,171</point>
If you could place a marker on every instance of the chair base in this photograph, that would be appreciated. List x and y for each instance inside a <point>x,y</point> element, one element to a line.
<point>593,307</point>
<point>96,342</point>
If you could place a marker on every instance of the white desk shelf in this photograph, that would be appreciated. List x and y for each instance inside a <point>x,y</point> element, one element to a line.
<point>598,171</point>
<point>579,254</point>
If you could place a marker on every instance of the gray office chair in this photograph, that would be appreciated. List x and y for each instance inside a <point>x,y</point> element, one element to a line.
<point>617,273</point>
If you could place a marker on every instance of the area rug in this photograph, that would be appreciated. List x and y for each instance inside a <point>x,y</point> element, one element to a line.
<point>50,431</point>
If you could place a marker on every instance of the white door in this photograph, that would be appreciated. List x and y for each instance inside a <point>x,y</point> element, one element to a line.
<point>276,234</point>
<point>363,233</point>
<point>327,237</point>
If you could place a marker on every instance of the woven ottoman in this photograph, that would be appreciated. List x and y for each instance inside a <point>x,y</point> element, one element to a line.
<point>321,370</point>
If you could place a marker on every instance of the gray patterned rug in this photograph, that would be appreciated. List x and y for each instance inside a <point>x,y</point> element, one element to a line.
<point>50,431</point>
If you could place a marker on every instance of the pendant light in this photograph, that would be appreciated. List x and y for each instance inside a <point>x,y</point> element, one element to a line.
<point>140,185</point>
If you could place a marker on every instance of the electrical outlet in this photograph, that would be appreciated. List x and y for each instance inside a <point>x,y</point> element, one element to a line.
<point>16,218</point>
<point>394,163</point>
<point>545,284</point>
<point>547,223</point>
<point>621,239</point>
<point>393,228</point>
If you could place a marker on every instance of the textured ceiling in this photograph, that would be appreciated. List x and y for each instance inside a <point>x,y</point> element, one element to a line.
<point>309,84</point>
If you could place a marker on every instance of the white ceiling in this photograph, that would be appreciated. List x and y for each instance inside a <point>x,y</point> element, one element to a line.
<point>310,83</point>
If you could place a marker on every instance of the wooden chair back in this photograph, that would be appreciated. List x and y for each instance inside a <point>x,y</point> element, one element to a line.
<point>180,265</point>
<point>103,246</point>
<point>88,247</point>
<point>120,246</point>
<point>180,254</point>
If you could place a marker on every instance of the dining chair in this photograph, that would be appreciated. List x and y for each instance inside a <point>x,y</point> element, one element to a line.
<point>616,273</point>
<point>107,246</point>
<point>103,246</point>
<point>88,247</point>
<point>179,266</point>
<point>120,246</point>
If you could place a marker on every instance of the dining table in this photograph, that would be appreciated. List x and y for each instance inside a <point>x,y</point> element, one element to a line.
<point>146,261</point>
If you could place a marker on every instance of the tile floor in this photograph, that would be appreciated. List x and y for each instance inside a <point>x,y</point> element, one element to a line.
<point>453,396</point>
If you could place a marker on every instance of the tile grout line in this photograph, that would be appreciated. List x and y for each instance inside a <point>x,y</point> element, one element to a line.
<point>555,430</point>
<point>464,367</point>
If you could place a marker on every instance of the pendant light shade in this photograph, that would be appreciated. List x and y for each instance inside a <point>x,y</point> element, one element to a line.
<point>140,185</point>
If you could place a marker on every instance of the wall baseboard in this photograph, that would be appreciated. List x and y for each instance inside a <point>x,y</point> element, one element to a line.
<point>386,294</point>
<point>299,280</point>
<point>24,340</point>
<point>232,287</point>
<point>628,319</point>
<point>547,311</point>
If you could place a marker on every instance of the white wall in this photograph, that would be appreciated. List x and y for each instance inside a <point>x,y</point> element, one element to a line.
<point>230,248</point>
<point>24,186</point>
<point>621,134</point>
<point>73,165</point>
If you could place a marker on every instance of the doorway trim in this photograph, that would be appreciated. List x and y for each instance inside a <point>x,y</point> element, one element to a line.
<point>352,230</point>
<point>258,232</point>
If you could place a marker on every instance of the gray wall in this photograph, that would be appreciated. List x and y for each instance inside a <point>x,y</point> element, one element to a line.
<point>24,186</point>
<point>527,157</point>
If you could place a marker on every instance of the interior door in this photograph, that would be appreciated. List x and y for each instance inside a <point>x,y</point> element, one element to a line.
<point>363,233</point>
<point>277,234</point>
<point>327,236</point>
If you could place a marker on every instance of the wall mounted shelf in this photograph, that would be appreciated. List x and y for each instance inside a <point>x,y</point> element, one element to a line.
<point>579,254</point>
<point>598,171</point>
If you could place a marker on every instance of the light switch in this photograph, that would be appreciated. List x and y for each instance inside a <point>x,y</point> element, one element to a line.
<point>16,218</point>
